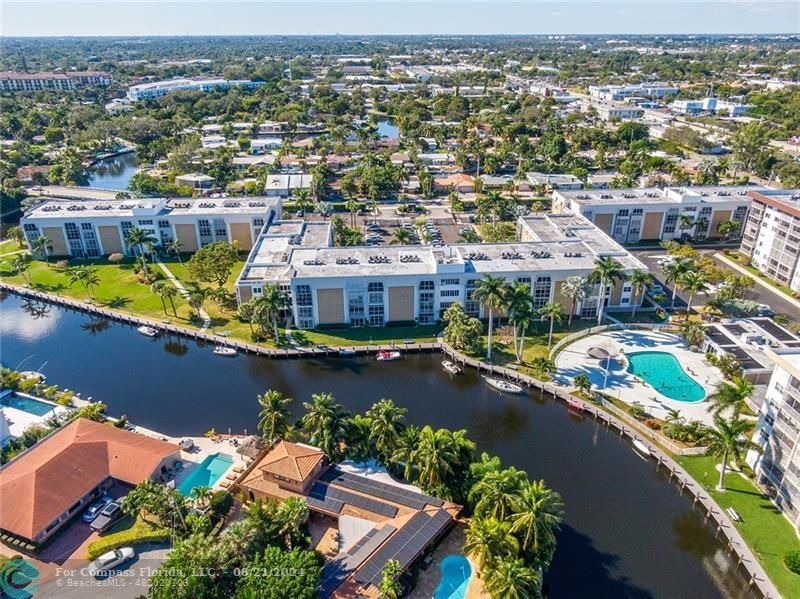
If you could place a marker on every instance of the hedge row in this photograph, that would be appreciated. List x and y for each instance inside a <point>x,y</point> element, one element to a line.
<point>136,535</point>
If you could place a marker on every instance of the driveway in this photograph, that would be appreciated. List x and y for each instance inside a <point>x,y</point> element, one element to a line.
<point>130,581</point>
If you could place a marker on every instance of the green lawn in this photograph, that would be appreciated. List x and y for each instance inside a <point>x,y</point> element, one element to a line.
<point>9,246</point>
<point>763,527</point>
<point>367,335</point>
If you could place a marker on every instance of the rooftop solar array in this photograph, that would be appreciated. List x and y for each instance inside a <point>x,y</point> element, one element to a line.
<point>404,546</point>
<point>325,503</point>
<point>335,573</point>
<point>736,329</point>
<point>747,362</point>
<point>333,495</point>
<point>774,330</point>
<point>385,491</point>
<point>718,337</point>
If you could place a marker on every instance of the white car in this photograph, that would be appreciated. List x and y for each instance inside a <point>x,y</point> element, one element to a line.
<point>109,561</point>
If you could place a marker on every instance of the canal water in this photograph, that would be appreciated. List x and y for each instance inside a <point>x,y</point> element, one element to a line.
<point>628,531</point>
<point>113,173</point>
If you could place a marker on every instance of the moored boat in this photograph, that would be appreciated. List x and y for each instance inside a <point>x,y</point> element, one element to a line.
<point>147,331</point>
<point>387,356</point>
<point>346,351</point>
<point>451,367</point>
<point>34,375</point>
<point>503,385</point>
<point>640,446</point>
<point>222,350</point>
<point>575,405</point>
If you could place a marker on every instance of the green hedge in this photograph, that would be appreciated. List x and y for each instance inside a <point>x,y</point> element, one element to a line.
<point>791,560</point>
<point>137,534</point>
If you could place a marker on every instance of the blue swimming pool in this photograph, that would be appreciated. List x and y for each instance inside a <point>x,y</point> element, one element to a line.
<point>26,404</point>
<point>206,473</point>
<point>456,572</point>
<point>664,373</point>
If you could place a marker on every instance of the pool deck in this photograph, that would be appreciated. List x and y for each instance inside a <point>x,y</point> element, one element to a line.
<point>203,447</point>
<point>18,420</point>
<point>573,360</point>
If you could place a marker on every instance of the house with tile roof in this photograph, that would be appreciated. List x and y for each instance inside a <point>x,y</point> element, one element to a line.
<point>44,487</point>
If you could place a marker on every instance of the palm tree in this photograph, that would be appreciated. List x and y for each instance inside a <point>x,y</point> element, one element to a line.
<point>490,541</point>
<point>303,200</point>
<point>389,587</point>
<point>582,383</point>
<point>386,423</point>
<point>42,246</point>
<point>640,280</point>
<point>555,313</point>
<point>268,307</point>
<point>536,517</point>
<point>16,234</point>
<point>523,318</point>
<point>729,437</point>
<point>574,288</point>
<point>693,332</point>
<point>85,275</point>
<point>202,495</point>
<point>674,272</point>
<point>21,264</point>
<point>401,236</point>
<point>352,205</point>
<point>606,271</point>
<point>406,445</point>
<point>273,419</point>
<point>174,247</point>
<point>325,422</point>
<point>543,366</point>
<point>197,296</point>
<point>727,228</point>
<point>693,281</point>
<point>137,238</point>
<point>491,293</point>
<point>493,495</point>
<point>512,579</point>
<point>292,513</point>
<point>324,209</point>
<point>433,457</point>
<point>731,395</point>
<point>159,288</point>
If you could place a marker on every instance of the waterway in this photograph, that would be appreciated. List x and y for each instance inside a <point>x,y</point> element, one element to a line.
<point>113,173</point>
<point>628,531</point>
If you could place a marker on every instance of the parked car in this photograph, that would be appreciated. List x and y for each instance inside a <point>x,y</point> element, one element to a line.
<point>765,310</point>
<point>108,516</point>
<point>109,561</point>
<point>655,289</point>
<point>94,509</point>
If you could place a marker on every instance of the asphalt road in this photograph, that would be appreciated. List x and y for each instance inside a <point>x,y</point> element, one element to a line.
<point>757,293</point>
<point>130,580</point>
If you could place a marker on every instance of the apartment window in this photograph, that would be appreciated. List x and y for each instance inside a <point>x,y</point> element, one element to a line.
<point>525,280</point>
<point>448,293</point>
<point>220,230</point>
<point>31,232</point>
<point>92,247</point>
<point>671,220</point>
<point>204,228</point>
<point>74,239</point>
<point>376,315</point>
<point>451,282</point>
<point>163,224</point>
<point>541,291</point>
<point>472,307</point>
<point>426,286</point>
<point>443,306</point>
<point>146,222</point>
<point>623,212</point>
<point>637,212</point>
<point>355,306</point>
<point>303,296</point>
<point>740,213</point>
<point>375,293</point>
<point>305,317</point>
<point>426,301</point>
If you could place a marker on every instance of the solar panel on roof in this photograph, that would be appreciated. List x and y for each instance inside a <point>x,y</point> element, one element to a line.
<point>335,573</point>
<point>379,489</point>
<point>405,545</point>
<point>774,330</point>
<point>325,492</point>
<point>747,362</point>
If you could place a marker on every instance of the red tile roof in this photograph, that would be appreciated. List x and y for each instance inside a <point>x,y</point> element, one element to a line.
<point>291,460</point>
<point>45,481</point>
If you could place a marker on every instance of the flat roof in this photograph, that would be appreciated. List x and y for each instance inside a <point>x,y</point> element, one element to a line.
<point>750,339</point>
<point>656,195</point>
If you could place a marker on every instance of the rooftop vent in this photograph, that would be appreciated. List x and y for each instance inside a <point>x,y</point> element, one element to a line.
<point>511,255</point>
<point>476,256</point>
<point>410,258</point>
<point>541,254</point>
<point>380,259</point>
<point>314,262</point>
<point>347,260</point>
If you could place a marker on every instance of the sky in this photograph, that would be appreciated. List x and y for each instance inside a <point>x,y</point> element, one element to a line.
<point>381,17</point>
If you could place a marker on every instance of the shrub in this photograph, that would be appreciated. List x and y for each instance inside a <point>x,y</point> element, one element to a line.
<point>116,258</point>
<point>140,532</point>
<point>62,264</point>
<point>791,560</point>
<point>220,504</point>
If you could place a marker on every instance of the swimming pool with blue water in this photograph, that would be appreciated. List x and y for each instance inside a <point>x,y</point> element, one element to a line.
<point>456,573</point>
<point>663,372</point>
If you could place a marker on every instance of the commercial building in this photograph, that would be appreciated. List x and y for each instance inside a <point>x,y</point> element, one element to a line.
<point>45,486</point>
<point>93,228</point>
<point>554,181</point>
<point>376,519</point>
<point>156,89</point>
<point>633,215</point>
<point>778,433</point>
<point>614,93</point>
<point>771,235</point>
<point>709,105</point>
<point>372,286</point>
<point>619,112</point>
<point>13,81</point>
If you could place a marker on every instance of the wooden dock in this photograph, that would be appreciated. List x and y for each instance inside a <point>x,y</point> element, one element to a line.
<point>758,581</point>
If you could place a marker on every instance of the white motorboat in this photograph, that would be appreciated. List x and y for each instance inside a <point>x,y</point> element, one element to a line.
<point>387,356</point>
<point>222,350</point>
<point>147,331</point>
<point>32,374</point>
<point>346,351</point>
<point>503,385</point>
<point>451,367</point>
<point>640,446</point>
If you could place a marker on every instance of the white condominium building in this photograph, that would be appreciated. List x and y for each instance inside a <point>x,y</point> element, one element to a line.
<point>772,235</point>
<point>613,93</point>
<point>157,89</point>
<point>93,228</point>
<point>633,215</point>
<point>372,286</point>
<point>778,433</point>
<point>13,81</point>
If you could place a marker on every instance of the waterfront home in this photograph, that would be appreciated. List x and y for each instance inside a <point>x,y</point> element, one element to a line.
<point>376,520</point>
<point>43,487</point>
<point>197,181</point>
<point>283,185</point>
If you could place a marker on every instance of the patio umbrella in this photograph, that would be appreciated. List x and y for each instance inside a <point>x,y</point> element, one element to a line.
<point>607,353</point>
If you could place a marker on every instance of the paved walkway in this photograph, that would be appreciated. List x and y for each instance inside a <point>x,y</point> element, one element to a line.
<point>179,286</point>
<point>739,268</point>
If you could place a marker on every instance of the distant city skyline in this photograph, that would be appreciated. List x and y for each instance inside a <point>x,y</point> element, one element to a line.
<point>448,17</point>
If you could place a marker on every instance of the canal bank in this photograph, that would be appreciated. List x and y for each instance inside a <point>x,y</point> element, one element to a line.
<point>180,387</point>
